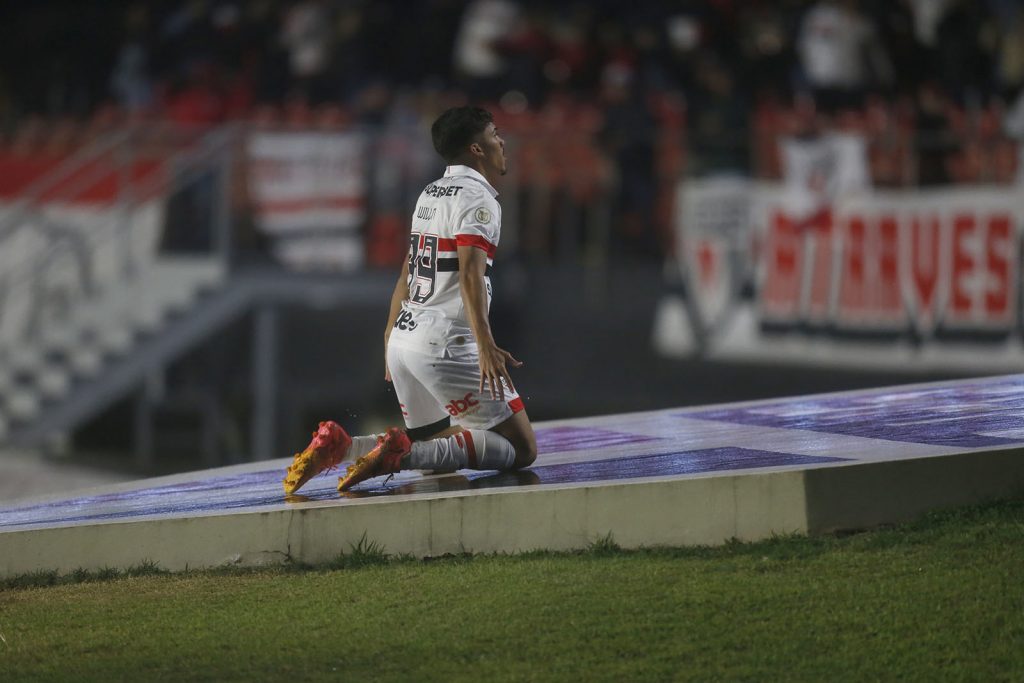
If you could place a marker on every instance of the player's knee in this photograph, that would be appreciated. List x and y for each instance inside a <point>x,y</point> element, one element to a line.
<point>520,436</point>
<point>526,453</point>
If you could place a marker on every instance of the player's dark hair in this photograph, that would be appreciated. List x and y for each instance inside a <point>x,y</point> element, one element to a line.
<point>454,130</point>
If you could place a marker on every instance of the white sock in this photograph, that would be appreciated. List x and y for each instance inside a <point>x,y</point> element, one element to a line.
<point>476,449</point>
<point>361,445</point>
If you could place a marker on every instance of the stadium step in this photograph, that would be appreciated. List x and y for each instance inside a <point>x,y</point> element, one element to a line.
<point>85,362</point>
<point>53,382</point>
<point>96,333</point>
<point>21,404</point>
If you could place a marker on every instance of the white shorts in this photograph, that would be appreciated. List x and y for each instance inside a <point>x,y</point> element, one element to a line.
<point>431,389</point>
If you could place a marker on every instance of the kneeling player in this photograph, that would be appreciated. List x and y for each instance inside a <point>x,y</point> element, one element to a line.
<point>440,353</point>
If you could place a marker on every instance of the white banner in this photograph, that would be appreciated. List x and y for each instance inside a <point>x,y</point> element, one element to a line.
<point>938,261</point>
<point>309,194</point>
<point>903,278</point>
<point>714,216</point>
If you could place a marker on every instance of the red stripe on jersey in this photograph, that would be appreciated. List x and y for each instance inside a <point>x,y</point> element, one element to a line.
<point>476,241</point>
<point>516,405</point>
<point>470,449</point>
<point>447,244</point>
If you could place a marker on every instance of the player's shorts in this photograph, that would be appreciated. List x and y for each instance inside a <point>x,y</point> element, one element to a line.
<point>431,389</point>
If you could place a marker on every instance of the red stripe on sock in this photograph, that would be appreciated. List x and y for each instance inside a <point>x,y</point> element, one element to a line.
<point>458,440</point>
<point>470,450</point>
<point>516,405</point>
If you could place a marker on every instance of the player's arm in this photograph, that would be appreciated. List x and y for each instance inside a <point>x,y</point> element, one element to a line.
<point>400,294</point>
<point>494,361</point>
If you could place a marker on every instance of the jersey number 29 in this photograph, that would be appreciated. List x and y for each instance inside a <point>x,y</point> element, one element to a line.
<point>422,266</point>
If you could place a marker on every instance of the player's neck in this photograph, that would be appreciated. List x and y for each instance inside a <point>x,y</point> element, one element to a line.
<point>478,166</point>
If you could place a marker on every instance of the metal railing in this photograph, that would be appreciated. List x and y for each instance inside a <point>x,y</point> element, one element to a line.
<point>51,263</point>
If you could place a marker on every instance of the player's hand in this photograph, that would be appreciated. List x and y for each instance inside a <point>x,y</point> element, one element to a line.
<point>494,370</point>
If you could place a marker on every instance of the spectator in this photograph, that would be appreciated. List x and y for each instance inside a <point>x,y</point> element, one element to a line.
<point>718,123</point>
<point>927,15</point>
<point>966,48</point>
<point>486,24</point>
<point>571,63</point>
<point>933,136</point>
<point>840,54</point>
<point>525,51</point>
<point>627,137</point>
<point>196,100</point>
<point>766,39</point>
<point>1010,69</point>
<point>1013,124</point>
<point>350,60</point>
<point>897,31</point>
<point>306,35</point>
<point>130,81</point>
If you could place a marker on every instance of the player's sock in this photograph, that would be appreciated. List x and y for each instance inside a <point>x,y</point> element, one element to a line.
<point>476,449</point>
<point>498,452</point>
<point>361,445</point>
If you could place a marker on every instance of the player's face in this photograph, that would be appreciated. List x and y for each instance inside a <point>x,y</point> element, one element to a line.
<point>494,149</point>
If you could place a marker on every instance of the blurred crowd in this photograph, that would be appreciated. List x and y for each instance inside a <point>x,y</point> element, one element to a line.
<point>211,60</point>
<point>657,88</point>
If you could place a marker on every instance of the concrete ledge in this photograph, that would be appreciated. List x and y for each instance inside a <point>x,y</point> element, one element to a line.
<point>695,510</point>
<point>707,510</point>
<point>864,495</point>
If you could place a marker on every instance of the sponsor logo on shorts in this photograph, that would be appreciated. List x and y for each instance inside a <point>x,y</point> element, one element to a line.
<point>462,405</point>
<point>405,321</point>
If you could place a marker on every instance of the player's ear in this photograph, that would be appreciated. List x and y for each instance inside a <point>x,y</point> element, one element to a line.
<point>476,149</point>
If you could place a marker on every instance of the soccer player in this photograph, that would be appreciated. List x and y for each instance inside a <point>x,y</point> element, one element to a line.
<point>440,354</point>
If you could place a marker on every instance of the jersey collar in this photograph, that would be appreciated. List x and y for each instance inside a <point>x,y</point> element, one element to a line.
<point>460,170</point>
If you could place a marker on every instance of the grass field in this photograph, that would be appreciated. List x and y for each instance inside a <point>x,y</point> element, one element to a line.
<point>941,599</point>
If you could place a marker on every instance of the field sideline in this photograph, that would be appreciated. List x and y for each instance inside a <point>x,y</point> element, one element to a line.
<point>940,599</point>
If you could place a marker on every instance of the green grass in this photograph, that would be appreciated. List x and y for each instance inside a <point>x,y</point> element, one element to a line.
<point>941,599</point>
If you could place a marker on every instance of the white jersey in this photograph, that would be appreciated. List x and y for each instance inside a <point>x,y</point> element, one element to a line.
<point>459,209</point>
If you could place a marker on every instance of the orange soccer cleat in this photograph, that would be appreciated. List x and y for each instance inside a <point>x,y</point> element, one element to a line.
<point>328,448</point>
<point>386,458</point>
